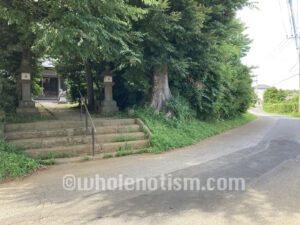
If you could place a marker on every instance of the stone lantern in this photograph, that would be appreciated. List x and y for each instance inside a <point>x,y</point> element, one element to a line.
<point>108,105</point>
<point>26,105</point>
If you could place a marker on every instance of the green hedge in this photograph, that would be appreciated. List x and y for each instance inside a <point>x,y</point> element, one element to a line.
<point>291,107</point>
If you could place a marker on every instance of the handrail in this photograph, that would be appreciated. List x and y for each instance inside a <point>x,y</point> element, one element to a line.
<point>87,114</point>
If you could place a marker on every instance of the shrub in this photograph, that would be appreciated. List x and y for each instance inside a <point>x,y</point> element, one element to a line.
<point>166,136</point>
<point>108,155</point>
<point>13,161</point>
<point>15,165</point>
<point>180,108</point>
<point>273,95</point>
<point>285,107</point>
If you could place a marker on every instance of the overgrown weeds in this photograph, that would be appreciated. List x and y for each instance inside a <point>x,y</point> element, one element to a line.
<point>13,161</point>
<point>180,131</point>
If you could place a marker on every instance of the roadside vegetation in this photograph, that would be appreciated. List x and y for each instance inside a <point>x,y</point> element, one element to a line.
<point>175,132</point>
<point>281,102</point>
<point>13,160</point>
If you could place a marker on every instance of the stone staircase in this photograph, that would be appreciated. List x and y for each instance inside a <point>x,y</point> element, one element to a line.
<point>59,137</point>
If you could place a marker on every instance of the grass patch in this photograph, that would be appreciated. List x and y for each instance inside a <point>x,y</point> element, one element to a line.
<point>70,105</point>
<point>108,155</point>
<point>86,158</point>
<point>168,134</point>
<point>124,138</point>
<point>123,153</point>
<point>52,155</point>
<point>24,118</point>
<point>125,147</point>
<point>13,161</point>
<point>129,151</point>
<point>51,161</point>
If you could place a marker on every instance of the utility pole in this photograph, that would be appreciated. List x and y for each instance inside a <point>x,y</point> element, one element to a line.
<point>294,27</point>
<point>299,78</point>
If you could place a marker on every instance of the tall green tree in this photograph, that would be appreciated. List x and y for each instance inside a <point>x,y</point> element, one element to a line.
<point>166,30</point>
<point>200,44</point>
<point>90,30</point>
<point>273,95</point>
<point>18,24</point>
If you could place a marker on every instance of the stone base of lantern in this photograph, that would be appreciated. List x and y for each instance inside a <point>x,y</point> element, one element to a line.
<point>108,106</point>
<point>27,107</point>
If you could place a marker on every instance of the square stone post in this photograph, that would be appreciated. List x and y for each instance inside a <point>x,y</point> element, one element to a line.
<point>26,105</point>
<point>108,105</point>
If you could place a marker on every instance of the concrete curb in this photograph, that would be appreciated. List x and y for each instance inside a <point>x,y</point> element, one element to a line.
<point>143,126</point>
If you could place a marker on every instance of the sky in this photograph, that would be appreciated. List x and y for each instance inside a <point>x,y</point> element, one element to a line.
<point>273,51</point>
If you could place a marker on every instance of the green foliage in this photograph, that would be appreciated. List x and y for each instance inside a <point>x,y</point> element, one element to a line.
<point>180,108</point>
<point>203,44</point>
<point>124,138</point>
<point>17,31</point>
<point>274,101</point>
<point>107,155</point>
<point>166,136</point>
<point>127,150</point>
<point>13,161</point>
<point>86,158</point>
<point>15,165</point>
<point>52,155</point>
<point>125,147</point>
<point>124,153</point>
<point>201,41</point>
<point>49,162</point>
<point>283,107</point>
<point>294,99</point>
<point>89,29</point>
<point>273,95</point>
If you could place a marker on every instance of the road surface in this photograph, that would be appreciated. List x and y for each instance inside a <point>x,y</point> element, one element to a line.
<point>265,153</point>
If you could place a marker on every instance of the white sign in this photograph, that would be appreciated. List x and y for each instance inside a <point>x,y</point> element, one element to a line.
<point>25,76</point>
<point>108,79</point>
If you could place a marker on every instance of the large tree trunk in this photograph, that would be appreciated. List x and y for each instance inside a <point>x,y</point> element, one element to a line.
<point>89,85</point>
<point>160,90</point>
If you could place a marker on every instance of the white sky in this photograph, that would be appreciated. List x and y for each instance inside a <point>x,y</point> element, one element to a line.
<point>271,51</point>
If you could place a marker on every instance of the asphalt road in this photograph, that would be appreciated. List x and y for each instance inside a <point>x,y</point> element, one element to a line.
<point>265,153</point>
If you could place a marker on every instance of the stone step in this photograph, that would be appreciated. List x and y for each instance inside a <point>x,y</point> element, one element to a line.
<point>17,135</point>
<point>76,150</point>
<point>86,149</point>
<point>58,124</point>
<point>51,142</point>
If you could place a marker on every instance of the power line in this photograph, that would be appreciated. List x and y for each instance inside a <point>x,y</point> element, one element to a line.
<point>294,66</point>
<point>285,79</point>
<point>294,26</point>
<point>284,45</point>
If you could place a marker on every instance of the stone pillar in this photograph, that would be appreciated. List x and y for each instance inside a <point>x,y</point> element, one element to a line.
<point>26,105</point>
<point>108,105</point>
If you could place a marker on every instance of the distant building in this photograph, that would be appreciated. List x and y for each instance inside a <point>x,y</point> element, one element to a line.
<point>259,91</point>
<point>51,83</point>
